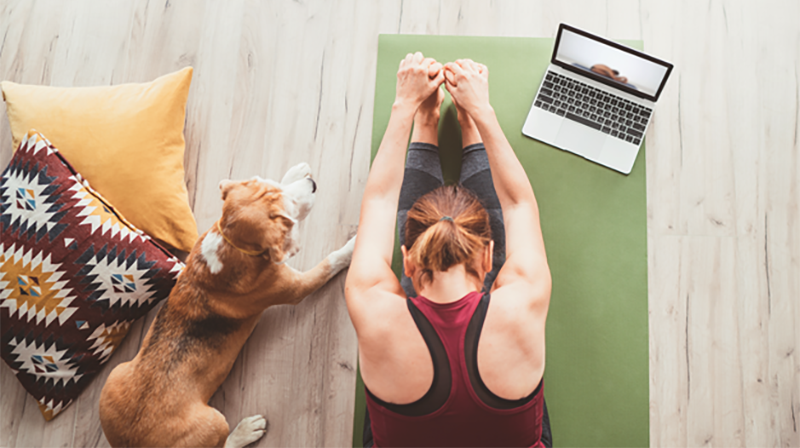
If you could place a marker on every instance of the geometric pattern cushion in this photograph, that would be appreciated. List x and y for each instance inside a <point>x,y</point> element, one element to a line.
<point>74,275</point>
<point>118,136</point>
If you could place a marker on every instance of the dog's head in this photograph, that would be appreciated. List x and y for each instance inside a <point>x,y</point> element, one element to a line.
<point>260,216</point>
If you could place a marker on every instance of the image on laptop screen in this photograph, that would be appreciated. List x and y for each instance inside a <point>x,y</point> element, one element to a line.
<point>623,68</point>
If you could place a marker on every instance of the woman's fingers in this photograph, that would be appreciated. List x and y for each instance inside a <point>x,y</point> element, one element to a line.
<point>418,76</point>
<point>432,66</point>
<point>468,64</point>
<point>417,59</point>
<point>439,78</point>
<point>467,82</point>
<point>456,68</point>
<point>477,67</point>
<point>449,76</point>
<point>433,69</point>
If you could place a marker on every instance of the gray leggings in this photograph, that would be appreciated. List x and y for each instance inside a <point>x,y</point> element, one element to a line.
<point>424,174</point>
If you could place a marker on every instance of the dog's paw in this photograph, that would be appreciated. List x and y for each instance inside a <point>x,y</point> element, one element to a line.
<point>341,258</point>
<point>296,173</point>
<point>247,431</point>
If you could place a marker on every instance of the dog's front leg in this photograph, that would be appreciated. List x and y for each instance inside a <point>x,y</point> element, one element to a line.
<point>307,282</point>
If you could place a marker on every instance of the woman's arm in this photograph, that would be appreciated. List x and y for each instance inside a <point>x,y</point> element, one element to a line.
<point>526,263</point>
<point>370,271</point>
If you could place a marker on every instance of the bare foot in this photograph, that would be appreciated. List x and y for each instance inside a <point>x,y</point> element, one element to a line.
<point>426,121</point>
<point>430,108</point>
<point>469,131</point>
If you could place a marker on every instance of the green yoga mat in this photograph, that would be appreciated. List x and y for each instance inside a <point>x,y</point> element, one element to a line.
<point>594,225</point>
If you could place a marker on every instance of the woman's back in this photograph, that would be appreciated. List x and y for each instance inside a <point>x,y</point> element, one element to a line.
<point>458,409</point>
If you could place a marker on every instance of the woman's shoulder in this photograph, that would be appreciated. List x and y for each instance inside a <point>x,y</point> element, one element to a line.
<point>381,314</point>
<point>511,346</point>
<point>521,300</point>
<point>395,361</point>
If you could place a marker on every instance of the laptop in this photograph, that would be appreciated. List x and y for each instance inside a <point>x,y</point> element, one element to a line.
<point>596,98</point>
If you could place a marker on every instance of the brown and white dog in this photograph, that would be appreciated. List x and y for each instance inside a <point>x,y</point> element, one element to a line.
<point>235,271</point>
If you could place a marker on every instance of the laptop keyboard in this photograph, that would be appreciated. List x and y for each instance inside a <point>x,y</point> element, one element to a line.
<point>593,107</point>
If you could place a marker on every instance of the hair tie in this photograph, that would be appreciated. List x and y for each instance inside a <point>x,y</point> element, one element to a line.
<point>447,218</point>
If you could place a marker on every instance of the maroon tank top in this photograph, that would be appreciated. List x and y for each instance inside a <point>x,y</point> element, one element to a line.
<point>458,409</point>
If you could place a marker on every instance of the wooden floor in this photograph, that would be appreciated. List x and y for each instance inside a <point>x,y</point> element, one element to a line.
<point>280,82</point>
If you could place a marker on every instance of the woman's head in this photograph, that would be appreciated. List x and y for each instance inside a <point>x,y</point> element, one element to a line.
<point>447,227</point>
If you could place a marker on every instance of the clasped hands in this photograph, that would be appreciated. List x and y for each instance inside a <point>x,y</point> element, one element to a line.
<point>467,81</point>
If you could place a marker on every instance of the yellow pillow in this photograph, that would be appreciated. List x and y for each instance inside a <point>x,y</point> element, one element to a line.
<point>126,140</point>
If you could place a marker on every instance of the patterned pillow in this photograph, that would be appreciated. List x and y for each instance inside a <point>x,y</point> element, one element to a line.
<point>116,136</point>
<point>74,275</point>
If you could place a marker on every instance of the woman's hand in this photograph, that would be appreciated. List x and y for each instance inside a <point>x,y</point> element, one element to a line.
<point>417,78</point>
<point>468,84</point>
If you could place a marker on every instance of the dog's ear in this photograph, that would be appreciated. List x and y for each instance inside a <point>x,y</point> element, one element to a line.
<point>225,186</point>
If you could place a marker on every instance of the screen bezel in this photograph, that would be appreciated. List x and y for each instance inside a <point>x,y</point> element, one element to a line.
<point>603,79</point>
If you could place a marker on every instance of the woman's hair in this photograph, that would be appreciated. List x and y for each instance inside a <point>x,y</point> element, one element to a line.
<point>446,227</point>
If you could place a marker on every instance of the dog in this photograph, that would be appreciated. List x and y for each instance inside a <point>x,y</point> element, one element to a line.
<point>235,271</point>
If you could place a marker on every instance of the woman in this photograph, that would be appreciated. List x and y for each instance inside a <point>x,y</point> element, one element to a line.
<point>451,366</point>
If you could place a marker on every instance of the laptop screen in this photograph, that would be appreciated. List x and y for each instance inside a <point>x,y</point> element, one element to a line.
<point>610,63</point>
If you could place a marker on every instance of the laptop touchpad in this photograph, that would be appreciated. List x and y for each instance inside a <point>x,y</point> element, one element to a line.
<point>580,139</point>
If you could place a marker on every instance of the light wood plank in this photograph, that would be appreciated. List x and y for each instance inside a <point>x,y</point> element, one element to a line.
<point>277,83</point>
<point>12,405</point>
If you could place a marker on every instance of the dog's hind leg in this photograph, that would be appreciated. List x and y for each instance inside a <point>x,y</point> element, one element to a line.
<point>203,426</point>
<point>247,431</point>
